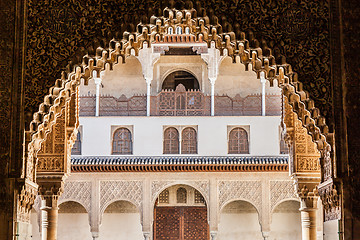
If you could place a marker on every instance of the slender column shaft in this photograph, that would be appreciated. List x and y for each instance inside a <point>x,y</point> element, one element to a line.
<point>97,100</point>
<point>49,216</point>
<point>263,94</point>
<point>212,98</point>
<point>148,95</point>
<point>308,224</point>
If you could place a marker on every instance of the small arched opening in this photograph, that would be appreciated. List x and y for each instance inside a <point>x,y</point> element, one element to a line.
<point>286,221</point>
<point>73,222</point>
<point>239,220</point>
<point>121,220</point>
<point>188,80</point>
<point>180,213</point>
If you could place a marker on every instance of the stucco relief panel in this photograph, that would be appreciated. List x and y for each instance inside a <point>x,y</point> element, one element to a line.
<point>120,190</point>
<point>79,191</point>
<point>240,190</point>
<point>280,190</point>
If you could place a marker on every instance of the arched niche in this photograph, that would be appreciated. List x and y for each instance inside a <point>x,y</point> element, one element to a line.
<point>121,220</point>
<point>239,219</point>
<point>286,220</point>
<point>73,222</point>
<point>185,78</point>
<point>123,79</point>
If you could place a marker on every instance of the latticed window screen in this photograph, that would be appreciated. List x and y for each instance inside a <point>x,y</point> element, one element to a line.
<point>171,141</point>
<point>199,197</point>
<point>76,149</point>
<point>164,196</point>
<point>181,195</point>
<point>122,142</point>
<point>189,141</point>
<point>238,141</point>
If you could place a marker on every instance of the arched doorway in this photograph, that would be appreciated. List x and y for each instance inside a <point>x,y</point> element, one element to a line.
<point>239,220</point>
<point>180,77</point>
<point>180,213</point>
<point>286,221</point>
<point>73,222</point>
<point>121,220</point>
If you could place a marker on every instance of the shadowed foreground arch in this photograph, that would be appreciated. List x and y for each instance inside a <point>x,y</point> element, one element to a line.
<point>54,127</point>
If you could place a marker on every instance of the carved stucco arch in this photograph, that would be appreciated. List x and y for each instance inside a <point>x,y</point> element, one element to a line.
<point>63,97</point>
<point>280,202</point>
<point>257,208</point>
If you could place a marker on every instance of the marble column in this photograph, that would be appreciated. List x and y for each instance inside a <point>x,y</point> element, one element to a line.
<point>148,95</point>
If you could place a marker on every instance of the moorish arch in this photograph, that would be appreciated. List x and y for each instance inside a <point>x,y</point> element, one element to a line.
<point>53,130</point>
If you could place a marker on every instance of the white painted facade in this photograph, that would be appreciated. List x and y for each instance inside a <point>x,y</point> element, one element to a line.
<point>212,134</point>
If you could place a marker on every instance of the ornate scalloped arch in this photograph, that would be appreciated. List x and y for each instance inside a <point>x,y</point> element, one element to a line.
<point>64,95</point>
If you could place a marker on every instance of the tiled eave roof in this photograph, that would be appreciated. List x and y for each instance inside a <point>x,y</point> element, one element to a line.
<point>178,164</point>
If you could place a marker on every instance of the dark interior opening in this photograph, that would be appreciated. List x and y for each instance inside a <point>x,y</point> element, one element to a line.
<point>181,77</point>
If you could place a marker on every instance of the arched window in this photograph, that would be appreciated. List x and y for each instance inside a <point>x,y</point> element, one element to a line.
<point>181,195</point>
<point>189,141</point>
<point>122,142</point>
<point>238,141</point>
<point>164,196</point>
<point>171,141</point>
<point>76,149</point>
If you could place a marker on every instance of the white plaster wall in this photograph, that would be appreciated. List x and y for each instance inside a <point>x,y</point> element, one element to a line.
<point>121,226</point>
<point>73,226</point>
<point>35,225</point>
<point>235,226</point>
<point>125,78</point>
<point>331,229</point>
<point>212,134</point>
<point>285,226</point>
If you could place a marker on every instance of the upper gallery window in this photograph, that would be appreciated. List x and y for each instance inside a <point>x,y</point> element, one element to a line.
<point>122,141</point>
<point>171,141</point>
<point>189,141</point>
<point>76,149</point>
<point>238,141</point>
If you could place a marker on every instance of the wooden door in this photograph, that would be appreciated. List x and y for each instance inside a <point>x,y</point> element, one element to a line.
<point>181,223</point>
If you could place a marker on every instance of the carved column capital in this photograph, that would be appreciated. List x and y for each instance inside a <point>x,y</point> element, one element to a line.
<point>308,196</point>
